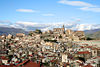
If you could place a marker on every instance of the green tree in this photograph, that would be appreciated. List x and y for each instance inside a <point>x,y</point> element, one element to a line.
<point>38,31</point>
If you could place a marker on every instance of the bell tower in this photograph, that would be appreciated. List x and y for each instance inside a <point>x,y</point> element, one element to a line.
<point>63,27</point>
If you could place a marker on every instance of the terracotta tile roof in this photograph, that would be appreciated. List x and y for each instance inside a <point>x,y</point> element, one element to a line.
<point>17,61</point>
<point>89,46</point>
<point>51,56</point>
<point>79,31</point>
<point>96,57</point>
<point>83,52</point>
<point>79,61</point>
<point>41,57</point>
<point>4,58</point>
<point>22,63</point>
<point>53,60</point>
<point>31,55</point>
<point>7,66</point>
<point>67,63</point>
<point>95,48</point>
<point>82,46</point>
<point>31,64</point>
<point>88,65</point>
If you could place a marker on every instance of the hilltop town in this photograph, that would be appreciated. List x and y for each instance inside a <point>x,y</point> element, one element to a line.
<point>52,48</point>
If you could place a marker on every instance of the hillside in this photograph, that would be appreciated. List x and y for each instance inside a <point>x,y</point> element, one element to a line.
<point>91,31</point>
<point>95,35</point>
<point>9,30</point>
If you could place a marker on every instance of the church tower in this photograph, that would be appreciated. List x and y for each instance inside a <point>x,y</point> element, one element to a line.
<point>63,28</point>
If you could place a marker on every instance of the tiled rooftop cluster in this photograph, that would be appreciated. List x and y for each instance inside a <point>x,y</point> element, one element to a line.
<point>57,48</point>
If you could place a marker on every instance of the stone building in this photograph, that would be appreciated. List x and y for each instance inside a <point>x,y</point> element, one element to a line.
<point>79,34</point>
<point>69,32</point>
<point>20,34</point>
<point>72,35</point>
<point>64,57</point>
<point>59,30</point>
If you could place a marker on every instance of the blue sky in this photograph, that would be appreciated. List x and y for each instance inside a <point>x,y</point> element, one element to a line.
<point>49,11</point>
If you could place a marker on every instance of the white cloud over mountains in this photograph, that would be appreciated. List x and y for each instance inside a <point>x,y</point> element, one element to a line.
<point>26,23</point>
<point>49,26</point>
<point>82,5</point>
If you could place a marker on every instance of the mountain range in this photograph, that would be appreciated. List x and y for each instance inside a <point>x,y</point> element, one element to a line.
<point>94,34</point>
<point>72,26</point>
<point>10,30</point>
<point>49,26</point>
<point>91,30</point>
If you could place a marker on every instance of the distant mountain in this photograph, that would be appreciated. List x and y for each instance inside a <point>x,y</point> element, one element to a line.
<point>50,26</point>
<point>10,30</point>
<point>73,26</point>
<point>91,31</point>
<point>95,34</point>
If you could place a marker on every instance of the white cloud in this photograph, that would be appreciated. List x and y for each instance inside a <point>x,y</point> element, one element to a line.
<point>25,10</point>
<point>26,23</point>
<point>48,14</point>
<point>96,9</point>
<point>5,21</point>
<point>83,27</point>
<point>76,3</point>
<point>49,26</point>
<point>83,5</point>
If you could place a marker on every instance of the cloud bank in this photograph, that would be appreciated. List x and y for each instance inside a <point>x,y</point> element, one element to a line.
<point>82,5</point>
<point>49,26</point>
